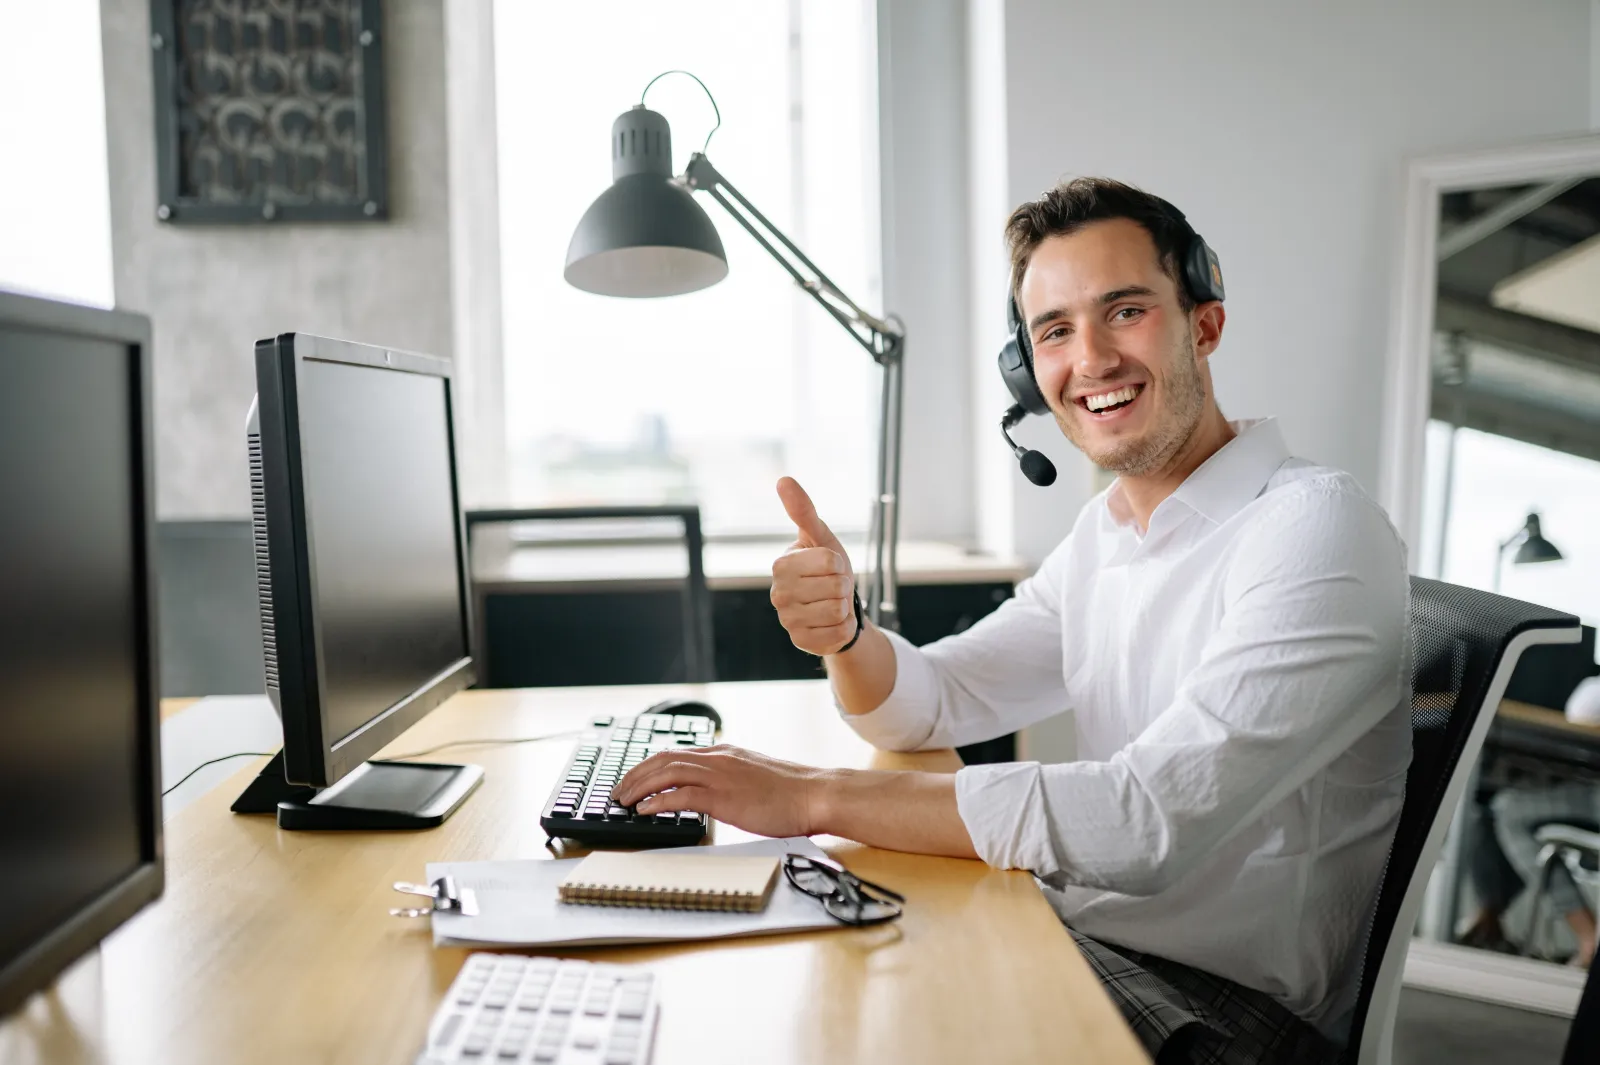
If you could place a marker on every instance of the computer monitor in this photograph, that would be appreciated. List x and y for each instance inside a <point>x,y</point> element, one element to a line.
<point>79,715</point>
<point>361,567</point>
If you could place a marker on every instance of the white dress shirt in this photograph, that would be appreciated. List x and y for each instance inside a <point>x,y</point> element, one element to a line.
<point>1239,676</point>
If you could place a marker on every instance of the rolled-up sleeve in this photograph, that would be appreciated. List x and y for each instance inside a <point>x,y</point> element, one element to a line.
<point>1309,656</point>
<point>1002,674</point>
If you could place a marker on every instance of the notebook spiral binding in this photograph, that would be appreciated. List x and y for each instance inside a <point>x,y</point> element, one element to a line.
<point>663,898</point>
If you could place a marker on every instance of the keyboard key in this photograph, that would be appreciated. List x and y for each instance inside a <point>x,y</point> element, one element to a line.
<point>448,1030</point>
<point>603,721</point>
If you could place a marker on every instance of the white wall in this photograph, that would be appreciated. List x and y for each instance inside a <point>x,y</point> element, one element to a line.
<point>1594,64</point>
<point>1282,131</point>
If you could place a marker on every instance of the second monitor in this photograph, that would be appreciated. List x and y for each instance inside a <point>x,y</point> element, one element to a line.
<point>362,576</point>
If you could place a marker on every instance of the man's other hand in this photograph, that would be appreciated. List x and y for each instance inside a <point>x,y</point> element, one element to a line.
<point>812,586</point>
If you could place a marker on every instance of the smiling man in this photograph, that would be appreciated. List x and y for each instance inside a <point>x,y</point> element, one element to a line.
<point>1228,626</point>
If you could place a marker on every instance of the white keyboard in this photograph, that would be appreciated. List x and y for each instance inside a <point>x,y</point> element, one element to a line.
<point>508,1008</point>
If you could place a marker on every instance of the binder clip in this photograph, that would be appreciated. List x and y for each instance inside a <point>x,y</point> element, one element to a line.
<point>443,896</point>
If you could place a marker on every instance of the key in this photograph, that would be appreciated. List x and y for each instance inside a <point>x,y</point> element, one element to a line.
<point>447,1031</point>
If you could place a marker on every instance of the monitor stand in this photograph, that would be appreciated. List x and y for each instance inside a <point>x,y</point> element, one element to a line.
<point>374,795</point>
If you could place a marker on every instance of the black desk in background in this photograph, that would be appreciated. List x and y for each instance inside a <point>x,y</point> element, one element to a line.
<point>569,615</point>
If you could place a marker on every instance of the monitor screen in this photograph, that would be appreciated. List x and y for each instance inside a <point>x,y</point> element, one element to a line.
<point>74,769</point>
<point>381,528</point>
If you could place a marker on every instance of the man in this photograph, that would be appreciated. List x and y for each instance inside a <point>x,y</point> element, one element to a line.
<point>1229,626</point>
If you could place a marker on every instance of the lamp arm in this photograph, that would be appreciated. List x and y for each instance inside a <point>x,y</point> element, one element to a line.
<point>882,338</point>
<point>878,336</point>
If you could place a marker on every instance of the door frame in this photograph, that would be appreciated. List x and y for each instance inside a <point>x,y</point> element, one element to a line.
<point>1406,404</point>
<point>1432,965</point>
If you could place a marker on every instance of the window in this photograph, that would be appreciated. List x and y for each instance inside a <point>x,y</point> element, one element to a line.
<point>711,396</point>
<point>1496,482</point>
<point>55,208</point>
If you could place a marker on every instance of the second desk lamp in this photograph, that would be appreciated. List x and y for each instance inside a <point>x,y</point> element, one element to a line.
<point>646,236</point>
<point>1531,547</point>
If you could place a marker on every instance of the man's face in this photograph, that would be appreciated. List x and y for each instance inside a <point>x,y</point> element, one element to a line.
<point>1116,356</point>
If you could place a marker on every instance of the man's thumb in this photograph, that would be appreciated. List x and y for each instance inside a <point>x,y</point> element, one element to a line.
<point>804,515</point>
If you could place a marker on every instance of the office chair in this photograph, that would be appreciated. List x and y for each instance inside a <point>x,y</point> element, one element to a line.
<point>210,618</point>
<point>528,639</point>
<point>1466,644</point>
<point>1576,848</point>
<point>1583,1040</point>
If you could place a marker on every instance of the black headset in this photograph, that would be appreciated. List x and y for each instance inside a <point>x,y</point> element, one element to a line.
<point>1201,277</point>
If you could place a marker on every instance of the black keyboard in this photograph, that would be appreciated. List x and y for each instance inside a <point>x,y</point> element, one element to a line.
<point>580,806</point>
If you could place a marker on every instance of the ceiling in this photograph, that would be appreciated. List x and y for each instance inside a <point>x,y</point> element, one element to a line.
<point>1517,348</point>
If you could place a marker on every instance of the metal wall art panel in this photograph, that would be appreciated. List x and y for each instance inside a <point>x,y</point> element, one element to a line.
<point>269,110</point>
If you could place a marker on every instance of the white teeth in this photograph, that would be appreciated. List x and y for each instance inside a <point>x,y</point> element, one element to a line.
<point>1111,399</point>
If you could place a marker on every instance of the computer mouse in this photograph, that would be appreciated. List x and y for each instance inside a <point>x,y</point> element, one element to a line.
<point>688,707</point>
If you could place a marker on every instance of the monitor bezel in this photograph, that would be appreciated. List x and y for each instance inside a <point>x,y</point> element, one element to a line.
<point>312,756</point>
<point>39,965</point>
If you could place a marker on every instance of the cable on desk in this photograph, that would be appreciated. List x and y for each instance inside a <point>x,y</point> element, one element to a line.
<point>485,743</point>
<point>214,761</point>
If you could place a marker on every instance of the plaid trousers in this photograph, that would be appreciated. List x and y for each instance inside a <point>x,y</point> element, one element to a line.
<point>1187,1017</point>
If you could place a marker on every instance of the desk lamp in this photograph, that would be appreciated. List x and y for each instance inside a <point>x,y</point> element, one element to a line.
<point>1531,547</point>
<point>646,236</point>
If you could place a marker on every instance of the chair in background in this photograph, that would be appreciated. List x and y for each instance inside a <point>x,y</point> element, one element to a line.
<point>635,633</point>
<point>1578,849</point>
<point>1583,1040</point>
<point>210,617</point>
<point>1466,644</point>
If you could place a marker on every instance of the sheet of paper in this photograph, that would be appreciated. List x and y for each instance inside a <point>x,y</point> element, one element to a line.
<point>212,727</point>
<point>518,906</point>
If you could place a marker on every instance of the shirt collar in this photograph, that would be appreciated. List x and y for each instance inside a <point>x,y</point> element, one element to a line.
<point>1237,473</point>
<point>1221,486</point>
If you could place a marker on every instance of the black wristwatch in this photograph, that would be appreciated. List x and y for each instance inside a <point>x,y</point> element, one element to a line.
<point>860,625</point>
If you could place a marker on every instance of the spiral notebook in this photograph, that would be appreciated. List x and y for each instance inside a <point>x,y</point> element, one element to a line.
<point>672,881</point>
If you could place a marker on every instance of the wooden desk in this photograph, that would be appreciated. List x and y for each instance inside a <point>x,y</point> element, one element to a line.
<point>1545,734</point>
<point>171,708</point>
<point>276,947</point>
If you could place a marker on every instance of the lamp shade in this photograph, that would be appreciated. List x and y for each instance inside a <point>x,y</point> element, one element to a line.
<point>1534,547</point>
<point>645,235</point>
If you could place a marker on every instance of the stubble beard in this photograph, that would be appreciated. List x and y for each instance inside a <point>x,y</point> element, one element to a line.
<point>1183,402</point>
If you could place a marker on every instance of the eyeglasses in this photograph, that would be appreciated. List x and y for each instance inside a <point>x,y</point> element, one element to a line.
<point>845,896</point>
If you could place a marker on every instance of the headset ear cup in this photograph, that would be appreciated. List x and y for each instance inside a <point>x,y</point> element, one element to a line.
<point>1202,272</point>
<point>1016,369</point>
<point>1016,363</point>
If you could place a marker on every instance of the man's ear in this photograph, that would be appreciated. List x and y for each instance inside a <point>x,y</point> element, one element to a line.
<point>1205,323</point>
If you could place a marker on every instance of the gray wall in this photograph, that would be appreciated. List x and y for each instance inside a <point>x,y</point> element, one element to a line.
<point>211,292</point>
<point>1283,131</point>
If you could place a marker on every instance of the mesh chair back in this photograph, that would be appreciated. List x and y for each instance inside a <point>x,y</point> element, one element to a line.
<point>1464,645</point>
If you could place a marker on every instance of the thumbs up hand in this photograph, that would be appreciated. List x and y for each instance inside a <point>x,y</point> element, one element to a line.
<point>812,586</point>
